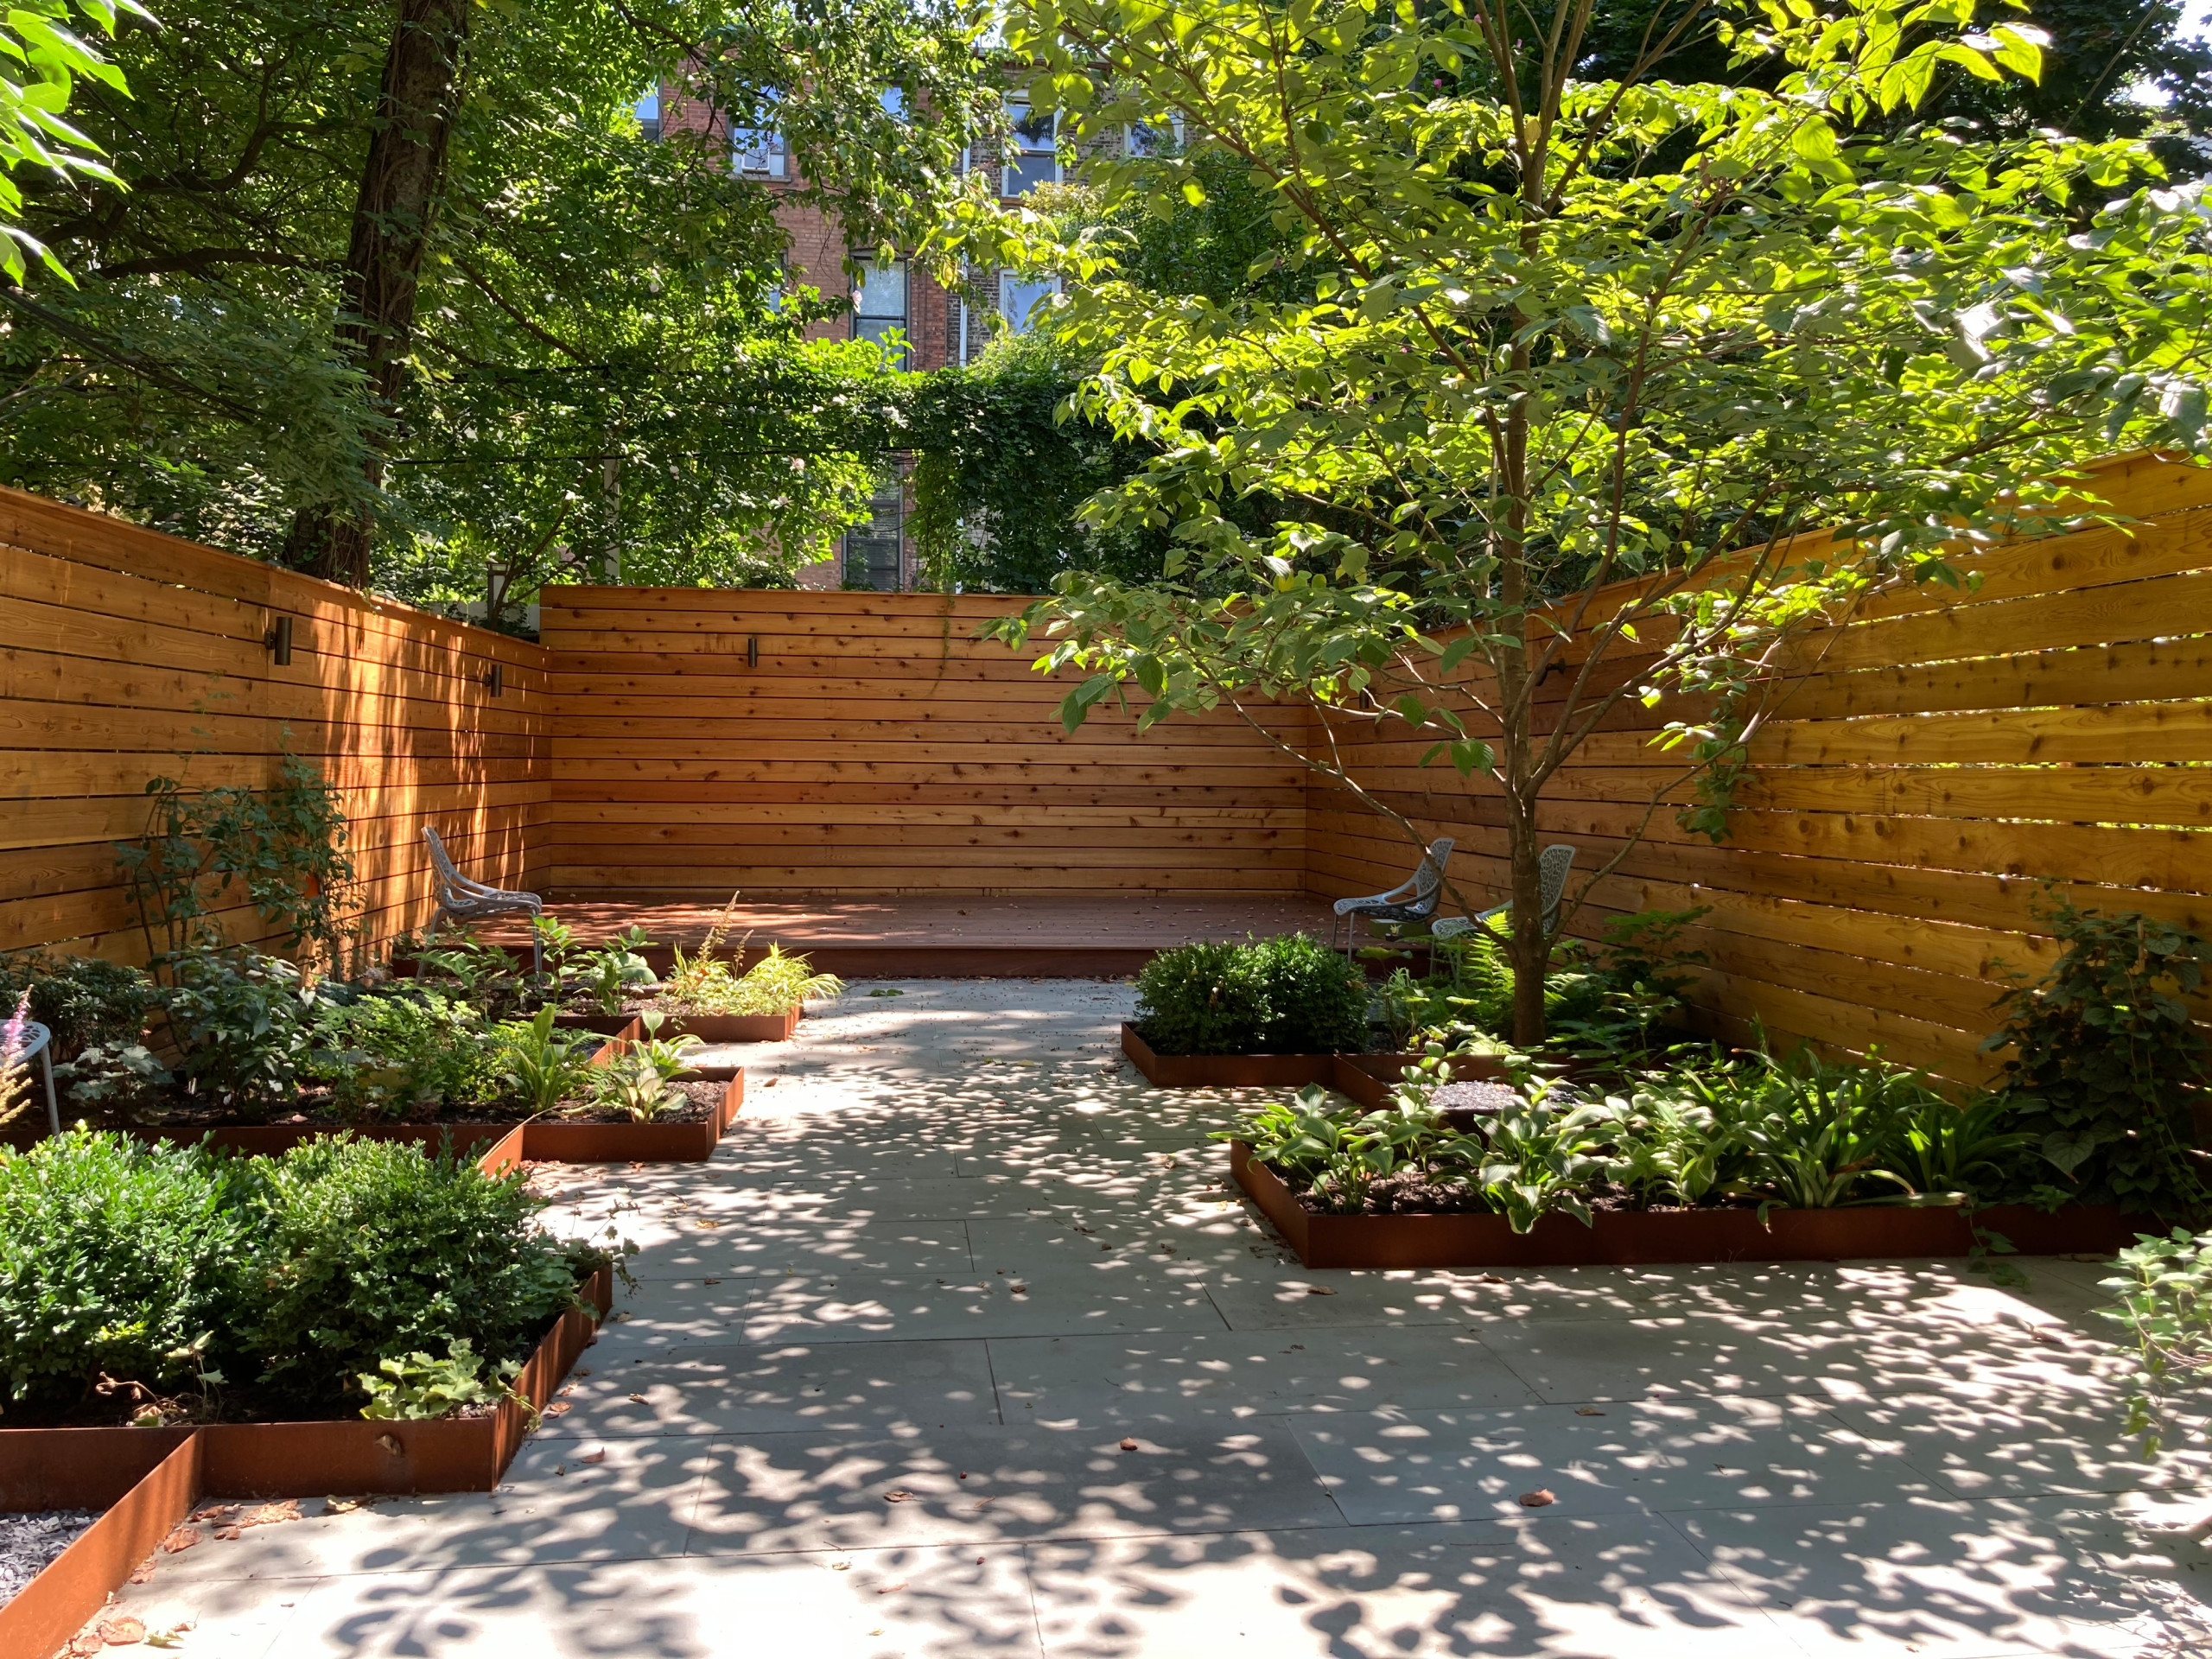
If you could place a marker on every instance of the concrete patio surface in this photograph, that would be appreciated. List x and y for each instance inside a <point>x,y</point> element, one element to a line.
<point>961,1346</point>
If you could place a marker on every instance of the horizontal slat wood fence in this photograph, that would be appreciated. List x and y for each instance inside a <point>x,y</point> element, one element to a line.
<point>1945,754</point>
<point>1941,757</point>
<point>126,654</point>
<point>877,746</point>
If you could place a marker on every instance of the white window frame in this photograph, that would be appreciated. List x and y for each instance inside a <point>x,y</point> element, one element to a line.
<point>758,152</point>
<point>905,319</point>
<point>1047,286</point>
<point>1008,169</point>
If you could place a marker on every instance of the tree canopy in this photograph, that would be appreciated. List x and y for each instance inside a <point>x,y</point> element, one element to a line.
<point>597,354</point>
<point>1564,335</point>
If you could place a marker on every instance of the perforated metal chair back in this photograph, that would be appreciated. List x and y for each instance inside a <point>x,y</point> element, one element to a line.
<point>1552,867</point>
<point>32,1041</point>
<point>1428,879</point>
<point>467,900</point>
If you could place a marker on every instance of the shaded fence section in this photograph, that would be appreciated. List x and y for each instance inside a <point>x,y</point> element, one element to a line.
<point>129,654</point>
<point>868,743</point>
<point>1938,759</point>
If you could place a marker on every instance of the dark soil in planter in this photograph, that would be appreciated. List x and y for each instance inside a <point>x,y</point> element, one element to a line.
<point>314,1108</point>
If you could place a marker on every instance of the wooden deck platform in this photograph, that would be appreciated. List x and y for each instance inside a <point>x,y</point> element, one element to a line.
<point>949,936</point>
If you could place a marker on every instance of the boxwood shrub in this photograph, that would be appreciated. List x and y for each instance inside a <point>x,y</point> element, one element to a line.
<point>243,1284</point>
<point>1288,994</point>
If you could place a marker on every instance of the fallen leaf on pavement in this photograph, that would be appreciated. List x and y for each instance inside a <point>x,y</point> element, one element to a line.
<point>1537,1499</point>
<point>1588,1411</point>
<point>637,1398</point>
<point>900,1497</point>
<point>1318,1290</point>
<point>556,1408</point>
<point>1128,1445</point>
<point>597,1454</point>
<point>121,1631</point>
<point>182,1538</point>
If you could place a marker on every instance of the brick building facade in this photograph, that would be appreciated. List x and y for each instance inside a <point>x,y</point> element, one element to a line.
<point>942,326</point>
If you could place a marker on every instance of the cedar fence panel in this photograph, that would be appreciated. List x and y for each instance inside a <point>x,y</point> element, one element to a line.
<point>126,654</point>
<point>878,746</point>
<point>1940,758</point>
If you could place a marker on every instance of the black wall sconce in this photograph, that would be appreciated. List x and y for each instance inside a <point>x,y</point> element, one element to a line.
<point>495,679</point>
<point>278,641</point>
<point>752,651</point>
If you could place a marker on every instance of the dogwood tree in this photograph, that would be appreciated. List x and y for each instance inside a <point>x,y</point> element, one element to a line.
<point>1576,378</point>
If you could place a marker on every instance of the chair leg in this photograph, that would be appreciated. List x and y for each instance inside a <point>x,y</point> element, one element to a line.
<point>52,1106</point>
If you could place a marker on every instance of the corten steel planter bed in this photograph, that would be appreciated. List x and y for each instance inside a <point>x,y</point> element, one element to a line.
<point>1368,1078</point>
<point>148,1479</point>
<point>145,1489</point>
<point>540,1140</point>
<point>84,1468</point>
<point>707,1028</point>
<point>1627,1238</point>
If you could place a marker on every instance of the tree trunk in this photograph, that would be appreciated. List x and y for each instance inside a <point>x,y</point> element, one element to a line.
<point>401,183</point>
<point>1531,951</point>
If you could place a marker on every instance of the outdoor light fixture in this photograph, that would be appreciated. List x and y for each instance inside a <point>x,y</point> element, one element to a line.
<point>752,651</point>
<point>278,641</point>
<point>495,678</point>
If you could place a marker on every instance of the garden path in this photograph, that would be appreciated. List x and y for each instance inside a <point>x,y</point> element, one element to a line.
<point>959,1347</point>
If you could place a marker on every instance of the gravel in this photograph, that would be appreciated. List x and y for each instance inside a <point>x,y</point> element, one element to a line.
<point>29,1542</point>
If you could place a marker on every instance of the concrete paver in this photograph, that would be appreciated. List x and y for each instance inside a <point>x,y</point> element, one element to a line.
<point>962,1345</point>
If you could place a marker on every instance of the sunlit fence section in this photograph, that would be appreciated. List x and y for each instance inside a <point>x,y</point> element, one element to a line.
<point>1933,763</point>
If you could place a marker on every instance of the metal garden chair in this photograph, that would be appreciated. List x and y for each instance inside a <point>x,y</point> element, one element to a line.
<point>37,1044</point>
<point>1552,866</point>
<point>1413,899</point>
<point>469,901</point>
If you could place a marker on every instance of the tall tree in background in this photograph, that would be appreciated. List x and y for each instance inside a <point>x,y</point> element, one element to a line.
<point>402,182</point>
<point>319,324</point>
<point>2098,57</point>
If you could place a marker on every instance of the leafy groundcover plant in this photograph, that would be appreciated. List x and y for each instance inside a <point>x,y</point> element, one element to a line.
<point>2164,1292</point>
<point>159,1284</point>
<point>1288,994</point>
<point>1744,1129</point>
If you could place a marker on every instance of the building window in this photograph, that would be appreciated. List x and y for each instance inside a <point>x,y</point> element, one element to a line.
<point>879,301</point>
<point>649,115</point>
<point>1032,154</point>
<point>893,99</point>
<point>1143,139</point>
<point>874,551</point>
<point>1019,296</point>
<point>758,152</point>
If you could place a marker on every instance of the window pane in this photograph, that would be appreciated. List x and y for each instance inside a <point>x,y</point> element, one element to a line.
<point>1031,158</point>
<point>880,291</point>
<point>649,112</point>
<point>757,150</point>
<point>871,549</point>
<point>1019,296</point>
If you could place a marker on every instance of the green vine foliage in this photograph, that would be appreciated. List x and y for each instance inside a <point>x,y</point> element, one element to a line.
<point>285,846</point>
<point>2107,1062</point>
<point>1000,474</point>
